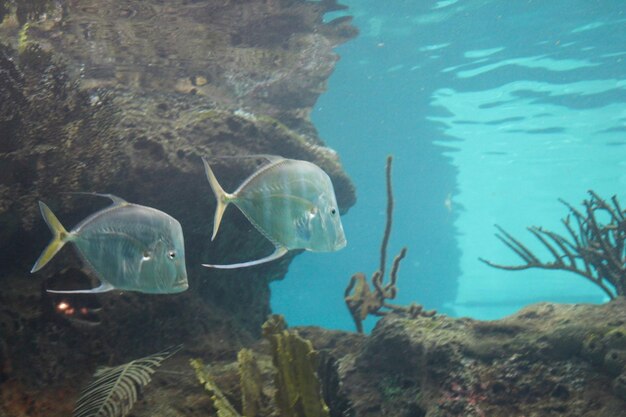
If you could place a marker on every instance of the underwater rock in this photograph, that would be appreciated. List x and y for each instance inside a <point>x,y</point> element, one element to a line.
<point>527,364</point>
<point>92,99</point>
<point>619,386</point>
<point>531,363</point>
<point>615,361</point>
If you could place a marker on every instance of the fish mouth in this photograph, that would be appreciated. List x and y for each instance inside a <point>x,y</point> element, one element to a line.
<point>180,285</point>
<point>341,243</point>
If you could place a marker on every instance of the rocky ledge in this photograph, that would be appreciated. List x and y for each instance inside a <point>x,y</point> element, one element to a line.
<point>545,360</point>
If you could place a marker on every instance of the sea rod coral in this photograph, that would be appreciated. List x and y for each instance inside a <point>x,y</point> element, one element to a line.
<point>363,301</point>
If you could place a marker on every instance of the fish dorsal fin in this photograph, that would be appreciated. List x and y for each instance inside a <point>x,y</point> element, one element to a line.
<point>279,252</point>
<point>269,157</point>
<point>117,201</point>
<point>104,287</point>
<point>273,164</point>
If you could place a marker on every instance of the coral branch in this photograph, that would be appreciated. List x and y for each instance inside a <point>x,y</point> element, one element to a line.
<point>359,298</point>
<point>595,250</point>
<point>383,245</point>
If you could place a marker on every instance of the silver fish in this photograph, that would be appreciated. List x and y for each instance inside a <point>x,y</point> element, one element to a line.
<point>292,203</point>
<point>128,246</point>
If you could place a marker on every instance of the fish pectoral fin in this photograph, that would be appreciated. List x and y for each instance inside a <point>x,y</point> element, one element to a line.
<point>303,228</point>
<point>104,287</point>
<point>279,252</point>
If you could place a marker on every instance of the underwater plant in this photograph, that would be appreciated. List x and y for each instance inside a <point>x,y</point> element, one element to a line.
<point>220,402</point>
<point>363,301</point>
<point>114,390</point>
<point>298,391</point>
<point>594,249</point>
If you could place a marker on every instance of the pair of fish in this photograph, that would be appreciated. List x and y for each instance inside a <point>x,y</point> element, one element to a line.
<point>137,248</point>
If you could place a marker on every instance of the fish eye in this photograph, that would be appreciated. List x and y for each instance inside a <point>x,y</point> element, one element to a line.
<point>146,255</point>
<point>333,211</point>
<point>171,254</point>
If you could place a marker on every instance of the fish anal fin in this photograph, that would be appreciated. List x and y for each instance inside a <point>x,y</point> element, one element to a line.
<point>279,252</point>
<point>104,287</point>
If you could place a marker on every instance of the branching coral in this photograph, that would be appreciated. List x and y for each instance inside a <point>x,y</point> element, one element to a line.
<point>594,250</point>
<point>363,301</point>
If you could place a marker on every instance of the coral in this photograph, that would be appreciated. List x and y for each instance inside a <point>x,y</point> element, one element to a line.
<point>363,301</point>
<point>298,392</point>
<point>220,402</point>
<point>594,250</point>
<point>297,389</point>
<point>251,383</point>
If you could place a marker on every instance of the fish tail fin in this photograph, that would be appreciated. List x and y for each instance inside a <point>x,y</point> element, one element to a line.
<point>223,198</point>
<point>60,236</point>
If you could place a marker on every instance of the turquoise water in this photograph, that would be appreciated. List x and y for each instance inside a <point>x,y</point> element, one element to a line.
<point>492,110</point>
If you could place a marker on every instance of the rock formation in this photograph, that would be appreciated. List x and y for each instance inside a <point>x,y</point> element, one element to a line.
<point>125,98</point>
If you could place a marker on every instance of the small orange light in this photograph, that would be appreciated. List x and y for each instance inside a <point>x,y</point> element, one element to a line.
<point>62,306</point>
<point>84,311</point>
<point>69,311</point>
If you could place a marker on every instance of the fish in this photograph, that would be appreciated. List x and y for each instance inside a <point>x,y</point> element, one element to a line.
<point>128,247</point>
<point>291,202</point>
